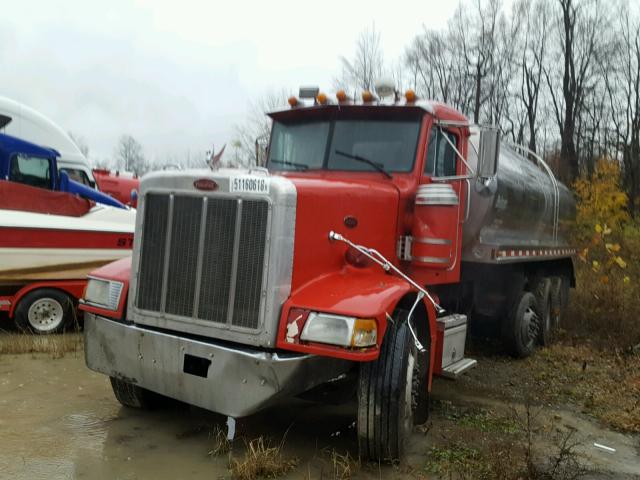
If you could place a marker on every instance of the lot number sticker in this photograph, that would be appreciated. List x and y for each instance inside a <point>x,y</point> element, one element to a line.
<point>249,184</point>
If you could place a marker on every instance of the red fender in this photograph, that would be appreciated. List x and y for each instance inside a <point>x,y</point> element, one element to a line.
<point>120,271</point>
<point>74,288</point>
<point>355,292</point>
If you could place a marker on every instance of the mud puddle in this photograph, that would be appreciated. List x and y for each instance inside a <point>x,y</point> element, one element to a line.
<point>60,421</point>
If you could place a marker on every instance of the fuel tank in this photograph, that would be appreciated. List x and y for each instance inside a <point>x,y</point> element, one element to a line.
<point>521,213</point>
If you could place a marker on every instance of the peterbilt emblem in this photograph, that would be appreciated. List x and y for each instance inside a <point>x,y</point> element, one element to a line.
<point>205,184</point>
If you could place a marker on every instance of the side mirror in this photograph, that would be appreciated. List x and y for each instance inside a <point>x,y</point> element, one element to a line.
<point>489,152</point>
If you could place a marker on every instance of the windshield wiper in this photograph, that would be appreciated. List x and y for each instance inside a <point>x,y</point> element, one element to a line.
<point>375,165</point>
<point>297,166</point>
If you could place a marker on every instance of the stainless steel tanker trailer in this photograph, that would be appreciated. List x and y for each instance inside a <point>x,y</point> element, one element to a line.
<point>515,248</point>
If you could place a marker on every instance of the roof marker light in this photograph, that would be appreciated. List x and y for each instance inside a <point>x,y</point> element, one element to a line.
<point>367,96</point>
<point>321,98</point>
<point>411,96</point>
<point>293,102</point>
<point>341,96</point>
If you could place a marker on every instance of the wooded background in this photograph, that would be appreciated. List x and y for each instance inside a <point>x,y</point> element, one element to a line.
<point>559,76</point>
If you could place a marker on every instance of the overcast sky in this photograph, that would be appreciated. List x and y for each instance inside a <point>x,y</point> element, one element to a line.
<point>178,74</point>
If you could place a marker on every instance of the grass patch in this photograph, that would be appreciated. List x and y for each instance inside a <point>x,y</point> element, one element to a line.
<point>220,444</point>
<point>486,421</point>
<point>458,461</point>
<point>604,384</point>
<point>470,447</point>
<point>261,460</point>
<point>56,346</point>
<point>343,466</point>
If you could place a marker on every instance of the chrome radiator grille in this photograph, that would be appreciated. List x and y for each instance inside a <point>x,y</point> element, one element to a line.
<point>203,258</point>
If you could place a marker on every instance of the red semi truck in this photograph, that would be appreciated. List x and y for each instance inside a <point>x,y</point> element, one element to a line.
<point>122,186</point>
<point>353,259</point>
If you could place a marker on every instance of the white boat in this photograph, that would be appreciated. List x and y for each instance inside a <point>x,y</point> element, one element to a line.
<point>37,246</point>
<point>52,228</point>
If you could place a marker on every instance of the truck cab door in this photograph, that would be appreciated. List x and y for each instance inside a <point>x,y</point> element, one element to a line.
<point>437,227</point>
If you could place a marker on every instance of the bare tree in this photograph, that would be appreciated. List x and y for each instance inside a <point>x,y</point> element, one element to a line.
<point>560,76</point>
<point>251,136</point>
<point>475,36</point>
<point>580,24</point>
<point>80,142</point>
<point>534,56</point>
<point>366,66</point>
<point>622,81</point>
<point>129,155</point>
<point>500,87</point>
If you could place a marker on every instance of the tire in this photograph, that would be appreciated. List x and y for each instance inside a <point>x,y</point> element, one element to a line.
<point>133,396</point>
<point>386,396</point>
<point>542,290</point>
<point>45,311</point>
<point>521,327</point>
<point>565,291</point>
<point>420,397</point>
<point>557,306</point>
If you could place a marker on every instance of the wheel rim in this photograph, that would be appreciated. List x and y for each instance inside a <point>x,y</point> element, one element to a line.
<point>530,325</point>
<point>45,314</point>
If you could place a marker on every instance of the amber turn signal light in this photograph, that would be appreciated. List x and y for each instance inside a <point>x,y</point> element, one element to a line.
<point>411,96</point>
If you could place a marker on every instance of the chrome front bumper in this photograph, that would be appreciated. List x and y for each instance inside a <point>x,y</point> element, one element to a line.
<point>230,380</point>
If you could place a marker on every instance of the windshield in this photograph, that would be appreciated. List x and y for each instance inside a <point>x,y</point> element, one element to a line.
<point>389,144</point>
<point>79,176</point>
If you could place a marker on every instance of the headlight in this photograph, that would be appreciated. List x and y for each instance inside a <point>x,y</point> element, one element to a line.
<point>103,293</point>
<point>339,330</point>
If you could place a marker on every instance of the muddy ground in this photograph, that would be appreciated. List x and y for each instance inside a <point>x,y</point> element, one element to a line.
<point>60,421</point>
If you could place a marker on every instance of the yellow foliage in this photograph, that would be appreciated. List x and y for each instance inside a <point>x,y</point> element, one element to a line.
<point>621,263</point>
<point>612,247</point>
<point>600,197</point>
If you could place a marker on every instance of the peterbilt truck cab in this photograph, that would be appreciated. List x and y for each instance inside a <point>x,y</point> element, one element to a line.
<point>247,286</point>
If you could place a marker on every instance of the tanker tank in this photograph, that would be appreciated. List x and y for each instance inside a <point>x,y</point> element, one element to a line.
<point>523,208</point>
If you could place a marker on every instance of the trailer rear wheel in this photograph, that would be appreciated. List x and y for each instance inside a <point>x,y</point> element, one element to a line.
<point>134,396</point>
<point>386,395</point>
<point>522,326</point>
<point>45,311</point>
<point>545,309</point>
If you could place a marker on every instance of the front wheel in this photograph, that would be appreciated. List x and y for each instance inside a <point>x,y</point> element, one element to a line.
<point>387,396</point>
<point>45,311</point>
<point>134,396</point>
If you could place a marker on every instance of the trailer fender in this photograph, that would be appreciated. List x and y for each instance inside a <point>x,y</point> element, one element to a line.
<point>74,288</point>
<point>352,292</point>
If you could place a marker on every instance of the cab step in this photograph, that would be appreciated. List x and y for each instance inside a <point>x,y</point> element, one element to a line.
<point>451,339</point>
<point>456,369</point>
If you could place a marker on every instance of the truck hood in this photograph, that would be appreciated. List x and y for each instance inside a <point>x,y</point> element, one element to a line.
<point>324,205</point>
